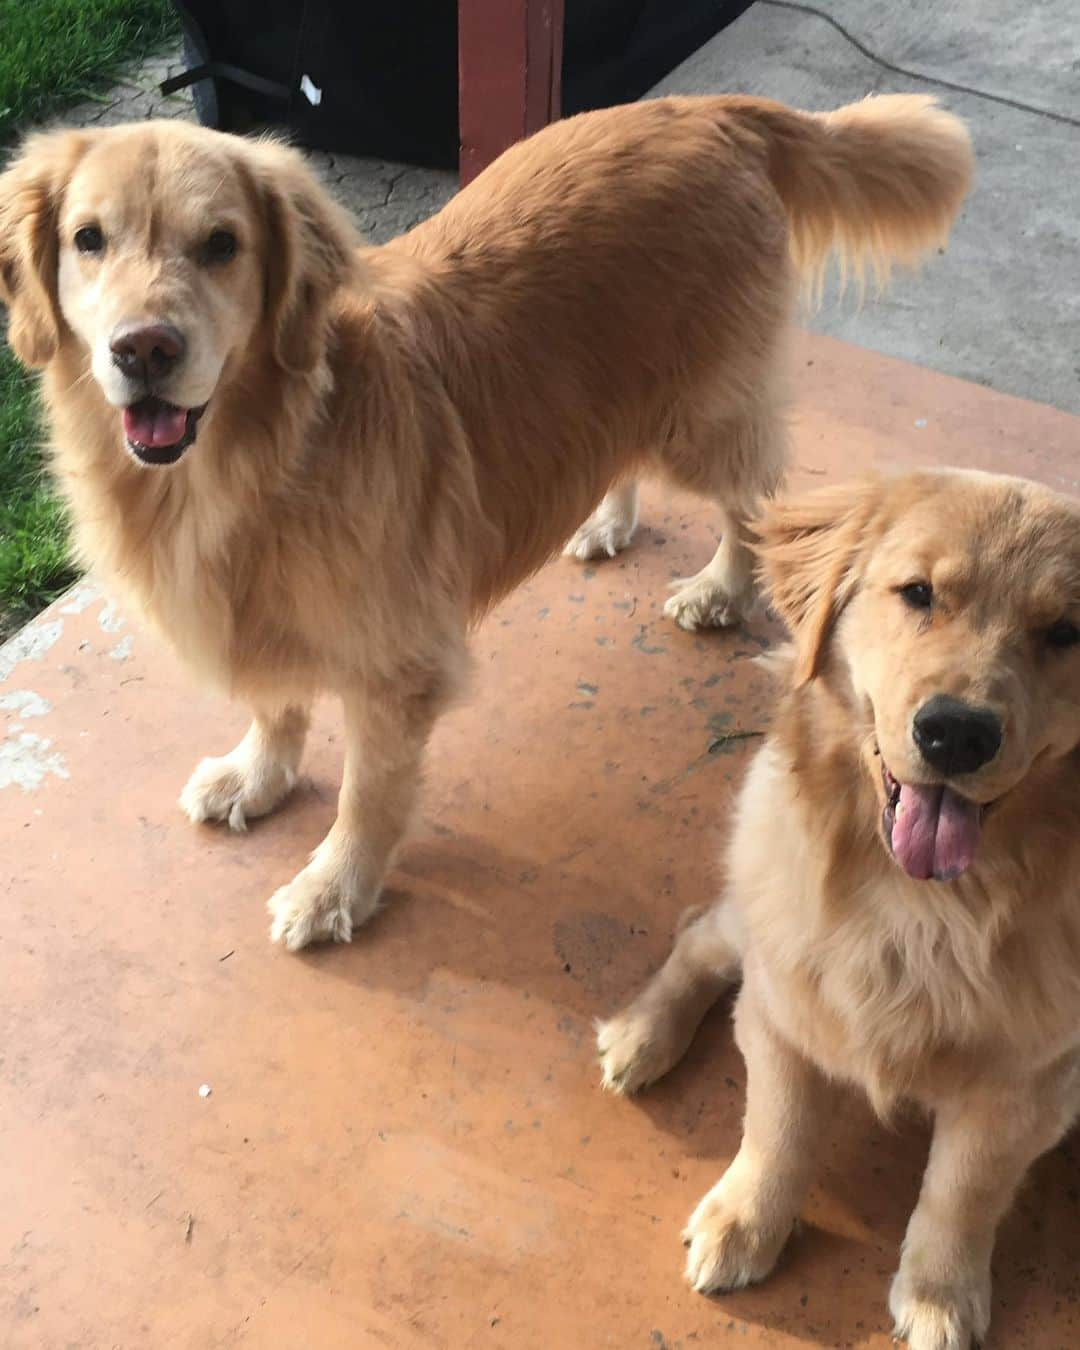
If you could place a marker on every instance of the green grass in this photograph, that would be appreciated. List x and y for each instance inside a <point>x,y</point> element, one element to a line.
<point>34,565</point>
<point>52,53</point>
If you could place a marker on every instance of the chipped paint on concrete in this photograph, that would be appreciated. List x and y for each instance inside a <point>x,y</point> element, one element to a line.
<point>25,703</point>
<point>81,597</point>
<point>122,650</point>
<point>110,619</point>
<point>29,645</point>
<point>26,760</point>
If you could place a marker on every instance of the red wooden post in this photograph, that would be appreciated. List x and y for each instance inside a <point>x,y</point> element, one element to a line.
<point>509,75</point>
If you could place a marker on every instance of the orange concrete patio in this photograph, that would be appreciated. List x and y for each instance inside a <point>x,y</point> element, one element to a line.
<point>405,1144</point>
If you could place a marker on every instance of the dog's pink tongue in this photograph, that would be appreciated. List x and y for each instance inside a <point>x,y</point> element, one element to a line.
<point>935,833</point>
<point>155,424</point>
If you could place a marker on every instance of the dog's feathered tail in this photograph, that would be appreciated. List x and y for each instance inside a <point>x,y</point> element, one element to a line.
<point>874,183</point>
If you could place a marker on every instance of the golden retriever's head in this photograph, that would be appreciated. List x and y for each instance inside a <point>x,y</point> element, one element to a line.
<point>943,608</point>
<point>171,255</point>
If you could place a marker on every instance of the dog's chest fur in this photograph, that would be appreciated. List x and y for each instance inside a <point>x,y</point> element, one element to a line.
<point>186,548</point>
<point>908,988</point>
<point>260,556</point>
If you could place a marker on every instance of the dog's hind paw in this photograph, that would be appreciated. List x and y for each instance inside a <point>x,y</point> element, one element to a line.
<point>599,539</point>
<point>609,529</point>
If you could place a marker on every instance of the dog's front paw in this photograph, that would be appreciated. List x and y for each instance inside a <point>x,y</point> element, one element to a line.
<point>323,903</point>
<point>730,1246</point>
<point>637,1046</point>
<point>236,788</point>
<point>945,1314</point>
<point>701,603</point>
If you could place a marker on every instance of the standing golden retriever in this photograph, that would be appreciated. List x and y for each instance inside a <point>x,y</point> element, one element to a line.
<point>918,934</point>
<point>312,467</point>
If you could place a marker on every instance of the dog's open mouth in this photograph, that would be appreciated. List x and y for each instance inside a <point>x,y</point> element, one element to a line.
<point>158,432</point>
<point>931,830</point>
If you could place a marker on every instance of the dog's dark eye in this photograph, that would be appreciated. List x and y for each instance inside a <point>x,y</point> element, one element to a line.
<point>89,239</point>
<point>220,246</point>
<point>1062,634</point>
<point>917,594</point>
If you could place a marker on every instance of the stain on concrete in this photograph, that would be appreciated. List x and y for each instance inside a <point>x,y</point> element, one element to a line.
<point>654,649</point>
<point>727,742</point>
<point>25,703</point>
<point>586,943</point>
<point>82,597</point>
<point>29,645</point>
<point>110,619</point>
<point>26,759</point>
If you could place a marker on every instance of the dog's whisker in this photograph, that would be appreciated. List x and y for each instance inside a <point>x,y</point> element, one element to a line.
<point>85,378</point>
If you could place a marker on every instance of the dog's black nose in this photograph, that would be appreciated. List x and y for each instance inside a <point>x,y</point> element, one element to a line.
<point>146,350</point>
<point>956,737</point>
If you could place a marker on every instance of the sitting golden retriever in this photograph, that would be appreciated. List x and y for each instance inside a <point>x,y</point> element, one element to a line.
<point>313,466</point>
<point>918,931</point>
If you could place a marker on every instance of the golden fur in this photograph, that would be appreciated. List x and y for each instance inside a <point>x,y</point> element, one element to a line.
<point>961,996</point>
<point>395,437</point>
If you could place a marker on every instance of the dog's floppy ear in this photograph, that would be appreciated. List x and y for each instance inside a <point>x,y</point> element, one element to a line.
<point>310,252</point>
<point>31,191</point>
<point>809,548</point>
